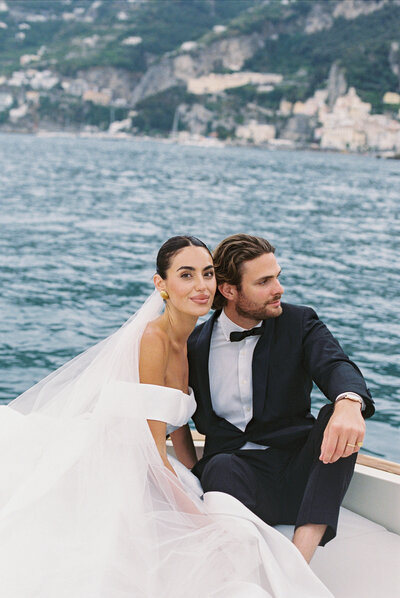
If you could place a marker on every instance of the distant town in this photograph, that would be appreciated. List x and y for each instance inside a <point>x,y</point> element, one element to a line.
<point>216,89</point>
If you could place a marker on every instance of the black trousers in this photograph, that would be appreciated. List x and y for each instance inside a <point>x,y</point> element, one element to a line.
<point>285,486</point>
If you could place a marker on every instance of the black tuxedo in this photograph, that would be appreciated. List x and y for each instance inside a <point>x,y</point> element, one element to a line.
<point>295,350</point>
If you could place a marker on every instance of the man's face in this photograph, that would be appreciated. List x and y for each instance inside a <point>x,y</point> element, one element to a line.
<point>260,295</point>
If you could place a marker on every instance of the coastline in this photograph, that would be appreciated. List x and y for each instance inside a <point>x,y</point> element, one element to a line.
<point>200,141</point>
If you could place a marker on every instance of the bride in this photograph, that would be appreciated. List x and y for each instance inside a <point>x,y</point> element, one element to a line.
<point>91,506</point>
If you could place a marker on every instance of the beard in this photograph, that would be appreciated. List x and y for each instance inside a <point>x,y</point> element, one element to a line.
<point>251,310</point>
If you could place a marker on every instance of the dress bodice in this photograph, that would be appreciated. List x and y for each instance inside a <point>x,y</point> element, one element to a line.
<point>148,401</point>
<point>169,405</point>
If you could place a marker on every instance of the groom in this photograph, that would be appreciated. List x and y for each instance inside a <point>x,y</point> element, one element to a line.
<point>252,366</point>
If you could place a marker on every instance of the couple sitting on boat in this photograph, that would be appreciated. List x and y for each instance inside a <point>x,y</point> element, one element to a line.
<point>92,505</point>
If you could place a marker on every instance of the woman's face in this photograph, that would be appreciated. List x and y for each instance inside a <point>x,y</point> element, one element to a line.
<point>190,281</point>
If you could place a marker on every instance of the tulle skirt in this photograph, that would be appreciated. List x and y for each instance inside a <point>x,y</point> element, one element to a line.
<point>88,510</point>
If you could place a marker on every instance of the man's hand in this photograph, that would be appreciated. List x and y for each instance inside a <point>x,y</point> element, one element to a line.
<point>345,429</point>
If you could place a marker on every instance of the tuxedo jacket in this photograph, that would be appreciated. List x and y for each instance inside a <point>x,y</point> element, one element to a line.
<point>295,350</point>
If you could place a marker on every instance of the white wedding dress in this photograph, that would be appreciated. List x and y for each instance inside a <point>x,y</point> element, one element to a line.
<point>88,509</point>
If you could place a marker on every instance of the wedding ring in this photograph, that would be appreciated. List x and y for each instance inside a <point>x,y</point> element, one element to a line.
<point>352,445</point>
<point>359,444</point>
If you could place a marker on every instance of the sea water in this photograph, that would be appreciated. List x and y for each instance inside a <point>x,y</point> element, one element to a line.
<point>81,221</point>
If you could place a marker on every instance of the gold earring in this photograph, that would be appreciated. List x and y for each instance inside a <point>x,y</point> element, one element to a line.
<point>164,295</point>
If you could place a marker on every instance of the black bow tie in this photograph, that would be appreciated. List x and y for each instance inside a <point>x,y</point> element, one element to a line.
<point>234,337</point>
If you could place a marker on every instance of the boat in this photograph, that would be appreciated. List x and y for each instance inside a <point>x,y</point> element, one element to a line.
<point>363,561</point>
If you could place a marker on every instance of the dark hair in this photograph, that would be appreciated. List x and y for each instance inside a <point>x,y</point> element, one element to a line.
<point>171,247</point>
<point>229,256</point>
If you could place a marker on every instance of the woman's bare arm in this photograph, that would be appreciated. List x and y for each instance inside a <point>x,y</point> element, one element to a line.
<point>184,447</point>
<point>152,365</point>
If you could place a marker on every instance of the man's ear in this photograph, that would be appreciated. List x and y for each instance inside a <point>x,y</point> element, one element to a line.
<point>229,291</point>
<point>159,283</point>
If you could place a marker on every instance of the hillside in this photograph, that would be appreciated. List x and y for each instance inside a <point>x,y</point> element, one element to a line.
<point>247,70</point>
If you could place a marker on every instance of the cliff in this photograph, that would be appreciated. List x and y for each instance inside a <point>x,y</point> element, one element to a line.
<point>251,70</point>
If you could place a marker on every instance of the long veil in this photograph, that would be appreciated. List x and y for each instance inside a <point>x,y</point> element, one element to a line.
<point>75,387</point>
<point>88,509</point>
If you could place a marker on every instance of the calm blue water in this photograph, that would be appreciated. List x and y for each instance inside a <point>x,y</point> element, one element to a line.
<point>82,219</point>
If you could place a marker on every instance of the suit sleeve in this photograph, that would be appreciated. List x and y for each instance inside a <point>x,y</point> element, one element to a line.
<point>328,365</point>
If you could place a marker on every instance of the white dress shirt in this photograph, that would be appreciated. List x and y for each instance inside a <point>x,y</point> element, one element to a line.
<point>231,378</point>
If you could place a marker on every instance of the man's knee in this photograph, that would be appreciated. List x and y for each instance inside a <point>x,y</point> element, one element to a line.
<point>324,415</point>
<point>234,475</point>
<point>217,474</point>
<point>317,432</point>
<point>231,474</point>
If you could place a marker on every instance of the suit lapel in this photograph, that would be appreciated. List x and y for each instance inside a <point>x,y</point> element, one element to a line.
<point>260,368</point>
<point>202,356</point>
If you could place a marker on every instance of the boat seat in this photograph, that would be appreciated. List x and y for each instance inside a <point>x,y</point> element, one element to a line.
<point>363,561</point>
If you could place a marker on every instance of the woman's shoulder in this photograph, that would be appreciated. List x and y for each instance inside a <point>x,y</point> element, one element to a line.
<point>155,337</point>
<point>153,355</point>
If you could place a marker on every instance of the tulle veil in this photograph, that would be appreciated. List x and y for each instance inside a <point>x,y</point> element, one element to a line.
<point>88,509</point>
<point>75,387</point>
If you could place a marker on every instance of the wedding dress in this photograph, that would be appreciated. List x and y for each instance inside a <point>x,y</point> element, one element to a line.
<point>88,509</point>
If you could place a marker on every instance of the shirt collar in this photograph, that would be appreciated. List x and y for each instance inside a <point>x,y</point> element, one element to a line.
<point>227,326</point>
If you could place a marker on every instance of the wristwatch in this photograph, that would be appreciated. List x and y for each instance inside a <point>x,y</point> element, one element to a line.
<point>351,396</point>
